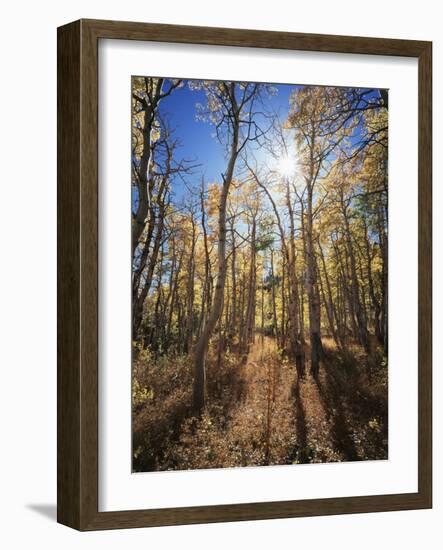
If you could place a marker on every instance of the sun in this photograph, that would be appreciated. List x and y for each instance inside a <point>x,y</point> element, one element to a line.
<point>286,166</point>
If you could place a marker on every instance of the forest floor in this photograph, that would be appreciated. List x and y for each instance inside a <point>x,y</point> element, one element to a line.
<point>259,413</point>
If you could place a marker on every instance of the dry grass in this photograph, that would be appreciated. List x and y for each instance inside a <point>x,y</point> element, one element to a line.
<point>257,412</point>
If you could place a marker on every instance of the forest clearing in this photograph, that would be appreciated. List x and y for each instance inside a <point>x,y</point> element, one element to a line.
<point>263,415</point>
<point>259,274</point>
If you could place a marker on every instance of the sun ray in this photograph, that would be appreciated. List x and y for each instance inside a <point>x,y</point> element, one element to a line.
<point>286,166</point>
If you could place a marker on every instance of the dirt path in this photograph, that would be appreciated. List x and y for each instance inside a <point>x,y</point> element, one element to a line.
<point>319,431</point>
<point>318,438</point>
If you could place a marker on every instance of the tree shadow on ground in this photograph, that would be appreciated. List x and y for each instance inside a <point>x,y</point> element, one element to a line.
<point>333,397</point>
<point>356,408</point>
<point>300,453</point>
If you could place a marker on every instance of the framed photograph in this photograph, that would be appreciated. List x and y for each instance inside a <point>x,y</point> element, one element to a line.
<point>244,275</point>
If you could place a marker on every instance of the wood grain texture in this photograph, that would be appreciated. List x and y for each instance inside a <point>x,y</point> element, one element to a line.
<point>254,38</point>
<point>425,273</point>
<point>78,274</point>
<point>68,276</point>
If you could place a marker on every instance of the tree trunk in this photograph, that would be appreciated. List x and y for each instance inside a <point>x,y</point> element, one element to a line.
<point>276,332</point>
<point>372,294</point>
<point>233,320</point>
<point>190,290</point>
<point>329,303</point>
<point>149,110</point>
<point>355,291</point>
<point>137,313</point>
<point>312,290</point>
<point>294,307</point>
<point>217,306</point>
<point>250,311</point>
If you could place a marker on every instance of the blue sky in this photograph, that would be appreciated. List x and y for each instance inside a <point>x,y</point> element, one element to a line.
<point>197,142</point>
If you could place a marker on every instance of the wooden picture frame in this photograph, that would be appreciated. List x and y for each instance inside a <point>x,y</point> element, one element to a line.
<point>78,274</point>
